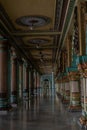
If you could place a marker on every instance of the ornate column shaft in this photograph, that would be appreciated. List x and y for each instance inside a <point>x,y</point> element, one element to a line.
<point>63,90</point>
<point>26,81</point>
<point>82,92</point>
<point>82,58</point>
<point>38,85</point>
<point>59,88</point>
<point>21,80</point>
<point>35,81</point>
<point>75,101</point>
<point>81,26</point>
<point>3,74</point>
<point>31,79</point>
<point>66,90</point>
<point>14,78</point>
<point>82,67</point>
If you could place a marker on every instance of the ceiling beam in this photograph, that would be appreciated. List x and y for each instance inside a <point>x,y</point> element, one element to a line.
<point>15,44</point>
<point>45,47</point>
<point>36,33</point>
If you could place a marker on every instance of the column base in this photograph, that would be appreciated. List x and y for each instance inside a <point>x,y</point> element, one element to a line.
<point>3,112</point>
<point>65,101</point>
<point>14,105</point>
<point>82,122</point>
<point>74,108</point>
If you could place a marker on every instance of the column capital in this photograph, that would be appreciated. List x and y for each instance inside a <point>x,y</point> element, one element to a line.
<point>20,61</point>
<point>26,64</point>
<point>2,38</point>
<point>74,75</point>
<point>13,53</point>
<point>82,65</point>
<point>3,44</point>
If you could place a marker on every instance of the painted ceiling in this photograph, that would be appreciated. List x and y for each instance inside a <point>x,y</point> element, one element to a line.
<point>36,28</point>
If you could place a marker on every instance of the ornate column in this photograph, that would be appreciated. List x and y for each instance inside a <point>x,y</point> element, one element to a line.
<point>3,74</point>
<point>62,89</point>
<point>26,81</point>
<point>35,82</point>
<point>21,80</point>
<point>66,89</point>
<point>59,88</point>
<point>31,79</point>
<point>67,92</point>
<point>82,67</point>
<point>81,10</point>
<point>38,83</point>
<point>74,77</point>
<point>14,84</point>
<point>75,101</point>
<point>82,58</point>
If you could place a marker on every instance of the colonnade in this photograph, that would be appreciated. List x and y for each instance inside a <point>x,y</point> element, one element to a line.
<point>72,73</point>
<point>18,78</point>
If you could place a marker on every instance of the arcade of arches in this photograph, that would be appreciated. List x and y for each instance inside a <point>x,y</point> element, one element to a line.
<point>38,42</point>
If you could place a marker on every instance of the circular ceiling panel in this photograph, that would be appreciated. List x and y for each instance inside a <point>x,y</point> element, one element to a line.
<point>33,21</point>
<point>38,41</point>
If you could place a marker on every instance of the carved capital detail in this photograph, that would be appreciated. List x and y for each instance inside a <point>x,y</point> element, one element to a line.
<point>83,69</point>
<point>65,79</point>
<point>73,76</point>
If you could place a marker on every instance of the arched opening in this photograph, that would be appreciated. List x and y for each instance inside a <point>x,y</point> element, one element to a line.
<point>46,88</point>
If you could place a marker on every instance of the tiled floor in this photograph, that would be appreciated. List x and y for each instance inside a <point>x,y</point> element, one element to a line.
<point>43,114</point>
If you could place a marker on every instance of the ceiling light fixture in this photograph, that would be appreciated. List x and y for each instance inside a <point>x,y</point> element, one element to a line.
<point>37,46</point>
<point>31,27</point>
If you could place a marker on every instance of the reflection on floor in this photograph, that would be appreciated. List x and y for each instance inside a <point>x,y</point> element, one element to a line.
<point>40,114</point>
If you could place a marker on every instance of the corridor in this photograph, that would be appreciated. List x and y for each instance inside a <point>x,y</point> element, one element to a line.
<point>41,114</point>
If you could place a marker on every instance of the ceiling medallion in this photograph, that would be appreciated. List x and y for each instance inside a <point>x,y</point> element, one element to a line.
<point>33,21</point>
<point>38,41</point>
